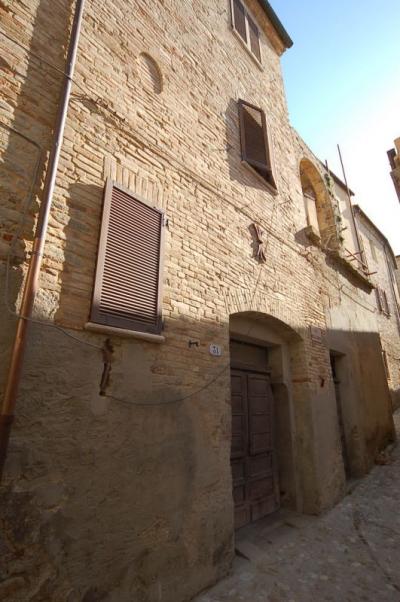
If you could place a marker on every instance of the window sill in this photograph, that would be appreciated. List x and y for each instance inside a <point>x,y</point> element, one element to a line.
<point>122,332</point>
<point>247,49</point>
<point>269,186</point>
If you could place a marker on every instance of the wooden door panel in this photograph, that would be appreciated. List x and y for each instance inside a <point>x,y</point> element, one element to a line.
<point>252,455</point>
<point>238,471</point>
<point>260,443</point>
<point>260,423</point>
<point>263,508</point>
<point>258,385</point>
<point>261,488</point>
<point>242,516</point>
<point>260,466</point>
<point>239,415</point>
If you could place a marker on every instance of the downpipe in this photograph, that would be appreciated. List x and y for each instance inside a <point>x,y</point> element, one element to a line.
<point>32,279</point>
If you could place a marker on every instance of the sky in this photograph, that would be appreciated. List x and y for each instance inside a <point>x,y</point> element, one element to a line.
<point>342,79</point>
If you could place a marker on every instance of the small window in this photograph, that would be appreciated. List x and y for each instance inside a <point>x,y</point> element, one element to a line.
<point>382,301</point>
<point>255,143</point>
<point>385,303</point>
<point>127,291</point>
<point>378,299</point>
<point>246,27</point>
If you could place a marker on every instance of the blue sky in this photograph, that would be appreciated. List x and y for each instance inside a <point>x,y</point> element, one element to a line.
<point>342,79</point>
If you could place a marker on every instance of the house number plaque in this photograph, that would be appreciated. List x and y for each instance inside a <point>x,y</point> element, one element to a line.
<point>215,350</point>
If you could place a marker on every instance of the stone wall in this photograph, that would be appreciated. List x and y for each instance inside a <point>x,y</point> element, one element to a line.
<point>128,496</point>
<point>381,263</point>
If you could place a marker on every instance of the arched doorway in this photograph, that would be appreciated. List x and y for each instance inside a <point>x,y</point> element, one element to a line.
<point>262,450</point>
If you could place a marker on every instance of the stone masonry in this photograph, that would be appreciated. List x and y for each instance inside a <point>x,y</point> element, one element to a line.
<point>128,496</point>
<point>382,263</point>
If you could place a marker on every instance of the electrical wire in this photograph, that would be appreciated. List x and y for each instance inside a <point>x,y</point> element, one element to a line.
<point>240,209</point>
<point>165,154</point>
<point>17,234</point>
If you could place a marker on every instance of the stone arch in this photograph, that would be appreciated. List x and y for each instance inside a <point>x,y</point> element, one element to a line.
<point>258,320</point>
<point>319,209</point>
<point>150,73</point>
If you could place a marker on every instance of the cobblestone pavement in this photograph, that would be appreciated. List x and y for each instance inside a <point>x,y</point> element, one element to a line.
<point>350,554</point>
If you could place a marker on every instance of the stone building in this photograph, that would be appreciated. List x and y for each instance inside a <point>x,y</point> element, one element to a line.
<point>205,343</point>
<point>394,160</point>
<point>382,264</point>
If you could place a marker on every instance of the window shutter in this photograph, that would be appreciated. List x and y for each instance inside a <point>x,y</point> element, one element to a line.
<point>385,303</point>
<point>254,38</point>
<point>254,140</point>
<point>127,292</point>
<point>378,299</point>
<point>239,19</point>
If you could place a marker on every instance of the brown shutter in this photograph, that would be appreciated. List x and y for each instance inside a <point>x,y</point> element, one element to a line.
<point>254,38</point>
<point>385,303</point>
<point>254,140</point>
<point>378,299</point>
<point>239,19</point>
<point>127,292</point>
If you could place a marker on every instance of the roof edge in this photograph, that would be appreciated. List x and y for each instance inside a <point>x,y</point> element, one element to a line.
<point>277,23</point>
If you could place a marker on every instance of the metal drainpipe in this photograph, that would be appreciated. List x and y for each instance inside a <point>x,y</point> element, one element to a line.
<point>32,279</point>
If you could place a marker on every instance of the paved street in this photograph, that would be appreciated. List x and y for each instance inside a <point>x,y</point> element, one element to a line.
<point>352,553</point>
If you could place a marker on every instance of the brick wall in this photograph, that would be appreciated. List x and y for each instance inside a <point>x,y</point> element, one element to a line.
<point>116,494</point>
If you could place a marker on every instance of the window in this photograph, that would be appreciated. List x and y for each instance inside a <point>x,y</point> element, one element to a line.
<point>382,301</point>
<point>255,143</point>
<point>246,28</point>
<point>127,291</point>
<point>385,304</point>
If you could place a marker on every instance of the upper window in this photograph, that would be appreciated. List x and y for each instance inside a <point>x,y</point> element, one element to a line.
<point>373,250</point>
<point>255,143</point>
<point>246,27</point>
<point>127,291</point>
<point>382,301</point>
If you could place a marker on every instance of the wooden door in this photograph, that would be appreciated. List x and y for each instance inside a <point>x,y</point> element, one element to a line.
<point>253,457</point>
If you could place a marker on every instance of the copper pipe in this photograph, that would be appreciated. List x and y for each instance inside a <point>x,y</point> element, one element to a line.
<point>32,279</point>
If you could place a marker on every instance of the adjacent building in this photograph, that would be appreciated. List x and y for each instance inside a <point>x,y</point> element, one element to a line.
<point>394,160</point>
<point>382,265</point>
<point>206,344</point>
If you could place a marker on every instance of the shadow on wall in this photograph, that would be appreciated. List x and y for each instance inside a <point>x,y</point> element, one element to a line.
<point>116,495</point>
<point>81,239</point>
<point>23,161</point>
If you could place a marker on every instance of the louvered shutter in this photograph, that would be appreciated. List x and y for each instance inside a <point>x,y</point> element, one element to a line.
<point>378,299</point>
<point>127,292</point>
<point>385,303</point>
<point>254,140</point>
<point>254,38</point>
<point>239,19</point>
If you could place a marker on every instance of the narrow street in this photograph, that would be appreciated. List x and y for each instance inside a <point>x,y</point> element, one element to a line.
<point>351,553</point>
